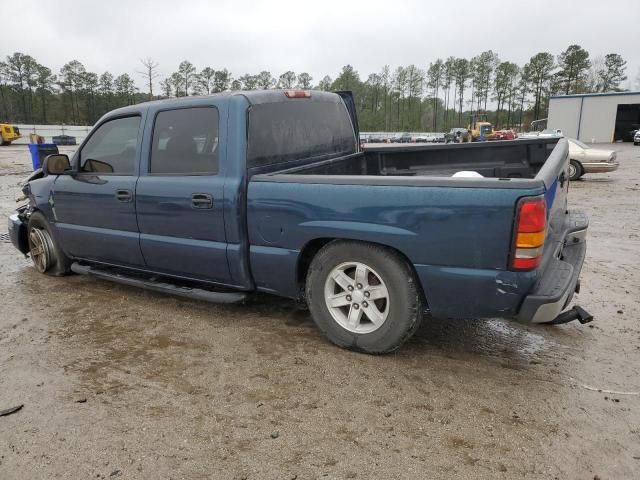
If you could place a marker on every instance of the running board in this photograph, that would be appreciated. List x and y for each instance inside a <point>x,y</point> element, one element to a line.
<point>151,283</point>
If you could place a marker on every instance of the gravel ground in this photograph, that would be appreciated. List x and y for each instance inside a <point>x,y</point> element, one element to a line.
<point>119,382</point>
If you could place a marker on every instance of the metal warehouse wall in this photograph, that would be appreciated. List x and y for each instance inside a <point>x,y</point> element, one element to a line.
<point>590,118</point>
<point>564,114</point>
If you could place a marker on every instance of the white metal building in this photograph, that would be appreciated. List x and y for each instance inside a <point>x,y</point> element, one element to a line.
<point>596,117</point>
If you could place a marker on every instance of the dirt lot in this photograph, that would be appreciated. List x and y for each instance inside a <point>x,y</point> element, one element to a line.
<point>120,382</point>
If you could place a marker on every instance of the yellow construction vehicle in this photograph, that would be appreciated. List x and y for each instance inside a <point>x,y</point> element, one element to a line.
<point>8,133</point>
<point>480,128</point>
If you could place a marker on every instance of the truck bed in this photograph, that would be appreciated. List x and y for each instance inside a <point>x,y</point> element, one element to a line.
<point>450,228</point>
<point>516,159</point>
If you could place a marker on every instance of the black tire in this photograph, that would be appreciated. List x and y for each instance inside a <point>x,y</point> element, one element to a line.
<point>404,310</point>
<point>4,144</point>
<point>575,170</point>
<point>636,143</point>
<point>57,263</point>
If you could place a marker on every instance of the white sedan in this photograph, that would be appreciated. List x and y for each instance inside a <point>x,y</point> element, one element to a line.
<point>585,159</point>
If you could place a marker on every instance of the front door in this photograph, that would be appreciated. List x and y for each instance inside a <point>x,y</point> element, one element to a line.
<point>94,209</point>
<point>179,196</point>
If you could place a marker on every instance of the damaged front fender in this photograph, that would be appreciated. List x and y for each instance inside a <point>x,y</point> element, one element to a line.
<point>38,190</point>
<point>26,186</point>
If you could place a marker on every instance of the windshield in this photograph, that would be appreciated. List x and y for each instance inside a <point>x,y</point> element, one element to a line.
<point>579,143</point>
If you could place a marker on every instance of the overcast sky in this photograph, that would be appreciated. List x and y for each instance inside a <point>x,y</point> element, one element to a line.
<point>248,36</point>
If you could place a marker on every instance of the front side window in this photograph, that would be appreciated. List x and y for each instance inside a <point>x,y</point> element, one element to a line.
<point>185,142</point>
<point>112,147</point>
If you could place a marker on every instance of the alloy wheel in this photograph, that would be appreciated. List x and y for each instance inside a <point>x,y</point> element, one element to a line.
<point>357,297</point>
<point>41,249</point>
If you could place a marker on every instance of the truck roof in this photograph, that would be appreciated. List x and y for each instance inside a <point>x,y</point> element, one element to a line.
<point>254,97</point>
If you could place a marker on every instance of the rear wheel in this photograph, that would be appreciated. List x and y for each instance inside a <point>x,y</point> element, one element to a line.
<point>46,255</point>
<point>363,297</point>
<point>575,170</point>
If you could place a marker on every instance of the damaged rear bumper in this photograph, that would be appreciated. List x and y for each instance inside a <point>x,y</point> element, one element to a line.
<point>559,280</point>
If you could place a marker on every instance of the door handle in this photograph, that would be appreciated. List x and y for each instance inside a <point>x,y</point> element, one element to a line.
<point>201,200</point>
<point>123,195</point>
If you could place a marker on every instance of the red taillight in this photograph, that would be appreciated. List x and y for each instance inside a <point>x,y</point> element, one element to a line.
<point>532,216</point>
<point>530,233</point>
<point>297,93</point>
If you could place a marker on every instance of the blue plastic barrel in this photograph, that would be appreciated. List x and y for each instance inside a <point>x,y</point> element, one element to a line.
<point>40,151</point>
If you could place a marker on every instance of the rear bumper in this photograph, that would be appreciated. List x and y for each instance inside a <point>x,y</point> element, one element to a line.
<point>18,233</point>
<point>557,283</point>
<point>600,167</point>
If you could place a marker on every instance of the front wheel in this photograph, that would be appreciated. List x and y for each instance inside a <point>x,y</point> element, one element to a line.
<point>363,297</point>
<point>575,170</point>
<point>46,255</point>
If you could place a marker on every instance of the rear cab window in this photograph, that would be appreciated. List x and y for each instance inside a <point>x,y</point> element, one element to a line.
<point>297,129</point>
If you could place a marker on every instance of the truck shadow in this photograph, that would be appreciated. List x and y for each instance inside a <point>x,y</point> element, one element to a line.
<point>513,344</point>
<point>276,329</point>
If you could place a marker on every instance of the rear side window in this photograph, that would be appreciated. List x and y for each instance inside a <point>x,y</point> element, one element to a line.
<point>112,147</point>
<point>297,129</point>
<point>185,142</point>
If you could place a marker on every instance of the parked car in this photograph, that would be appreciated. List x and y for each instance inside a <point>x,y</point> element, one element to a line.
<point>402,138</point>
<point>551,132</point>
<point>529,135</point>
<point>421,139</point>
<point>457,135</point>
<point>547,133</point>
<point>221,196</point>
<point>63,140</point>
<point>584,159</point>
<point>636,138</point>
<point>506,135</point>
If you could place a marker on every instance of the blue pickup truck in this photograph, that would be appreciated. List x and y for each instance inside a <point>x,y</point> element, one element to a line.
<point>221,196</point>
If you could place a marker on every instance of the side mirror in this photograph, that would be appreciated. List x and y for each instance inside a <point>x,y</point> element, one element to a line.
<point>56,164</point>
<point>97,166</point>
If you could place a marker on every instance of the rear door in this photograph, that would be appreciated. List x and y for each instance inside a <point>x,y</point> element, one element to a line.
<point>94,209</point>
<point>179,196</point>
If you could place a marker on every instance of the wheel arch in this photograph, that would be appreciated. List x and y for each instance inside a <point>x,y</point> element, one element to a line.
<point>580,167</point>
<point>312,247</point>
<point>23,232</point>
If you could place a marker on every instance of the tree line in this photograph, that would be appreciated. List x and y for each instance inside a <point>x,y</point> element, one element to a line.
<point>444,94</point>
